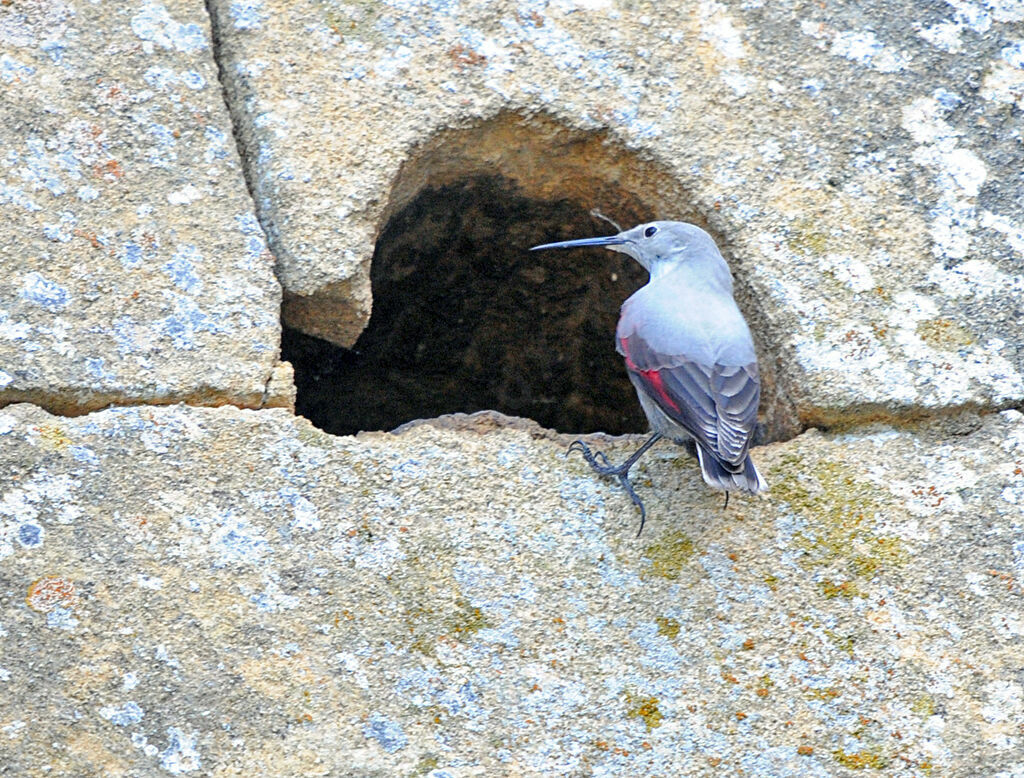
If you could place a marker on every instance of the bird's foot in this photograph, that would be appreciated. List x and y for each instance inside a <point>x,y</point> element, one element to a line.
<point>599,464</point>
<point>596,459</point>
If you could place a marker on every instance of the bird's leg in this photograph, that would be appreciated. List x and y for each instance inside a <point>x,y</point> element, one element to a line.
<point>726,500</point>
<point>599,464</point>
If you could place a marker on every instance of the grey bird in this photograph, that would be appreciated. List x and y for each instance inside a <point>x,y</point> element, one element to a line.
<point>688,353</point>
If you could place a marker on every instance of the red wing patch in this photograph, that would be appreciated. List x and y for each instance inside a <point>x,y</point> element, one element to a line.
<point>652,377</point>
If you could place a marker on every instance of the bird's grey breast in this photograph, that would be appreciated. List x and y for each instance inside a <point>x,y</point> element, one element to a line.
<point>682,318</point>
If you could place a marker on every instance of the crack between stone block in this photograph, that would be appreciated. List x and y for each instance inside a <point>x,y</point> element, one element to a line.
<point>236,119</point>
<point>232,114</point>
<point>248,174</point>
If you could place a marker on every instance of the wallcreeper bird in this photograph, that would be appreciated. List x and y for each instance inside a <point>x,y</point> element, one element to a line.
<point>689,355</point>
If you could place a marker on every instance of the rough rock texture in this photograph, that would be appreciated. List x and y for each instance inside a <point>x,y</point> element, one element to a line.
<point>859,161</point>
<point>134,269</point>
<point>229,592</point>
<point>220,591</point>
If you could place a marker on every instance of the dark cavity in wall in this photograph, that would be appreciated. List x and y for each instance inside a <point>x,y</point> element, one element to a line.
<point>465,318</point>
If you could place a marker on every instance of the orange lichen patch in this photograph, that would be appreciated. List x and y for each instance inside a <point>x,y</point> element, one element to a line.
<point>944,334</point>
<point>463,56</point>
<point>48,593</point>
<point>87,748</point>
<point>764,686</point>
<point>805,750</point>
<point>109,169</point>
<point>92,237</point>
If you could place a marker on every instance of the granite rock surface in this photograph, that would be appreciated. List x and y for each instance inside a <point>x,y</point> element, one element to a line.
<point>859,163</point>
<point>135,270</point>
<point>230,592</point>
<point>189,590</point>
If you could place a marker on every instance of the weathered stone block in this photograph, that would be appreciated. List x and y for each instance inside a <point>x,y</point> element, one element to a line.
<point>134,269</point>
<point>219,592</point>
<point>858,162</point>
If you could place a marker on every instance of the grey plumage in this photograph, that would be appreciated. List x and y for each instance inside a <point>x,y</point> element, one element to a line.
<point>688,352</point>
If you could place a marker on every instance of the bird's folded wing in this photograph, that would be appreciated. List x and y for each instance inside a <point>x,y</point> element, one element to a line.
<point>717,404</point>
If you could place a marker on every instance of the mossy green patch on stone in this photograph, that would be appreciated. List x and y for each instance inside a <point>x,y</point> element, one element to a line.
<point>840,511</point>
<point>426,764</point>
<point>428,624</point>
<point>312,436</point>
<point>645,708</point>
<point>667,626</point>
<point>358,22</point>
<point>670,554</point>
<point>861,760</point>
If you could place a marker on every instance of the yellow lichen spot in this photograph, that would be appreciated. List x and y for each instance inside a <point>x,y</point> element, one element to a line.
<point>924,705</point>
<point>805,238</point>
<point>670,554</point>
<point>845,589</point>
<point>667,626</point>
<point>828,693</point>
<point>840,511</point>
<point>944,334</point>
<point>645,708</point>
<point>466,619</point>
<point>53,436</point>
<point>843,643</point>
<point>861,760</point>
<point>885,551</point>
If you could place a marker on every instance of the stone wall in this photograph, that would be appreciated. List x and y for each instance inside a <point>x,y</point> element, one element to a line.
<point>194,579</point>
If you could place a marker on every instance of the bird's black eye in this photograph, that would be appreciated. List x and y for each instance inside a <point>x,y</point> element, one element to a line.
<point>649,232</point>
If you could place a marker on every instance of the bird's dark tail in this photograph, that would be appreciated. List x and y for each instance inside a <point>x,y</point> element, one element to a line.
<point>718,476</point>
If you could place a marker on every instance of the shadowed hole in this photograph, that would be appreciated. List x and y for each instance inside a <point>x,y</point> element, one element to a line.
<point>465,318</point>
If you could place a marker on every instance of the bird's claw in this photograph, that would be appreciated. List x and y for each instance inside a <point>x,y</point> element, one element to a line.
<point>599,464</point>
<point>624,480</point>
<point>596,459</point>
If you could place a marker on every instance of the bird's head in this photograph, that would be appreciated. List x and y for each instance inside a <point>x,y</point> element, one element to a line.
<point>657,246</point>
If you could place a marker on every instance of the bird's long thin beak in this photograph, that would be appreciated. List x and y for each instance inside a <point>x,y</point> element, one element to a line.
<point>608,240</point>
